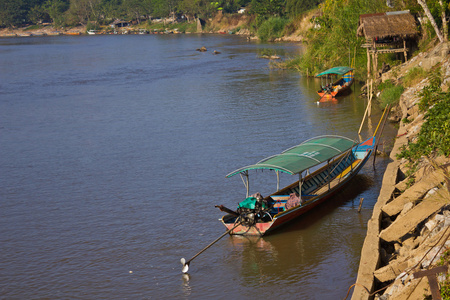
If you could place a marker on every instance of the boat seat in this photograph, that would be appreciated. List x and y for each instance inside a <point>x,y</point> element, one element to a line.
<point>280,197</point>
<point>278,205</point>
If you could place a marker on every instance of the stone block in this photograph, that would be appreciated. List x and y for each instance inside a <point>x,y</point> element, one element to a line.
<point>408,222</point>
<point>414,193</point>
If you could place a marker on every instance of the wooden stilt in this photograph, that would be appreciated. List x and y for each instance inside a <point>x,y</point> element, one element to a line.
<point>369,103</point>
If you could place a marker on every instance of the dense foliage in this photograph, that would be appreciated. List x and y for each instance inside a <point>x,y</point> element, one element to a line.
<point>73,12</point>
<point>434,135</point>
<point>272,28</point>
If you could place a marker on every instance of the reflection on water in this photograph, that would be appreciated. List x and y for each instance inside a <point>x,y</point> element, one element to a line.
<point>185,285</point>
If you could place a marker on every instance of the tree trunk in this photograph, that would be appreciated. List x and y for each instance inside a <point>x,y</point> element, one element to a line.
<point>430,17</point>
<point>444,21</point>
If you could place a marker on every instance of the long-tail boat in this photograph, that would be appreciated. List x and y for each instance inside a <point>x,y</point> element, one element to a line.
<point>329,90</point>
<point>333,160</point>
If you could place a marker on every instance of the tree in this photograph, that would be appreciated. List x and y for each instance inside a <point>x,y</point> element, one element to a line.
<point>431,19</point>
<point>112,9</point>
<point>56,9</point>
<point>444,20</point>
<point>15,12</point>
<point>160,8</point>
<point>38,14</point>
<point>267,8</point>
<point>191,8</point>
<point>229,6</point>
<point>136,8</point>
<point>296,7</point>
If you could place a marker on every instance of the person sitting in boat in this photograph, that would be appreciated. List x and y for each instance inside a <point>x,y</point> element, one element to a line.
<point>294,200</point>
<point>267,202</point>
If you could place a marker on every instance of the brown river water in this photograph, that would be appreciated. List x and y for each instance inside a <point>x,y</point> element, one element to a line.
<point>114,151</point>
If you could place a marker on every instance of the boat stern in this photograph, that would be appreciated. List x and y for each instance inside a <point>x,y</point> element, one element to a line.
<point>257,229</point>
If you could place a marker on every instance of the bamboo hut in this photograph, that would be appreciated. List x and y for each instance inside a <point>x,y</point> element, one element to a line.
<point>386,33</point>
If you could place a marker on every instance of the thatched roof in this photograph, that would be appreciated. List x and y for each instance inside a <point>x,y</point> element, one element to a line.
<point>383,25</point>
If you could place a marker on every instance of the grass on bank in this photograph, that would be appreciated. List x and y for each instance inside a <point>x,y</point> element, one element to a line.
<point>414,76</point>
<point>390,93</point>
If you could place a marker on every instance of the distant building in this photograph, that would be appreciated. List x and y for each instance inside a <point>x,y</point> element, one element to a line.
<point>119,24</point>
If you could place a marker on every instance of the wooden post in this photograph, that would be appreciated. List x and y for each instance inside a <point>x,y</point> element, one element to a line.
<point>360,204</point>
<point>369,99</point>
<point>405,53</point>
<point>374,62</point>
<point>371,96</point>
<point>368,67</point>
<point>432,280</point>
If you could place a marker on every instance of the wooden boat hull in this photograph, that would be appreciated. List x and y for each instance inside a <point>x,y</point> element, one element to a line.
<point>330,96</point>
<point>284,217</point>
<point>341,86</point>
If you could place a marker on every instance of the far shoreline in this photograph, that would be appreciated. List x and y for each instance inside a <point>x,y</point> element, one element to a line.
<point>49,30</point>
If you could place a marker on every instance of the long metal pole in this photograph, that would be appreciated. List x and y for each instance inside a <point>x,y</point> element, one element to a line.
<point>186,264</point>
<point>387,109</point>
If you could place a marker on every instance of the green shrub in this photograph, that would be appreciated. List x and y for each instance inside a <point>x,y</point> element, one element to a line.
<point>434,135</point>
<point>432,92</point>
<point>390,94</point>
<point>272,28</point>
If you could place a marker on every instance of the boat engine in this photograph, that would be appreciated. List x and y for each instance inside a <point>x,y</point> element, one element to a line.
<point>251,210</point>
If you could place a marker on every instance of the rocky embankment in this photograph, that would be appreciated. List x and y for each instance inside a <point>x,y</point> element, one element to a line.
<point>409,230</point>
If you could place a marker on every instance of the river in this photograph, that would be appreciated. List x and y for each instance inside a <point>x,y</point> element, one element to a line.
<point>114,151</point>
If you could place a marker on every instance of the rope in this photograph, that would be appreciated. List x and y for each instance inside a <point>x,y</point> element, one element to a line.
<point>348,292</point>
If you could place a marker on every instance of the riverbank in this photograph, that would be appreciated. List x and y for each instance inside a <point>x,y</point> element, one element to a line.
<point>220,24</point>
<point>409,228</point>
<point>44,30</point>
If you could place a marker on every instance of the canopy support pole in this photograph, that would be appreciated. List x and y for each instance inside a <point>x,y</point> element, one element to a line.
<point>300,185</point>
<point>278,180</point>
<point>246,181</point>
<point>329,174</point>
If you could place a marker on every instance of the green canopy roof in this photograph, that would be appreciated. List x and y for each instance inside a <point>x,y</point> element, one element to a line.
<point>304,156</point>
<point>335,71</point>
